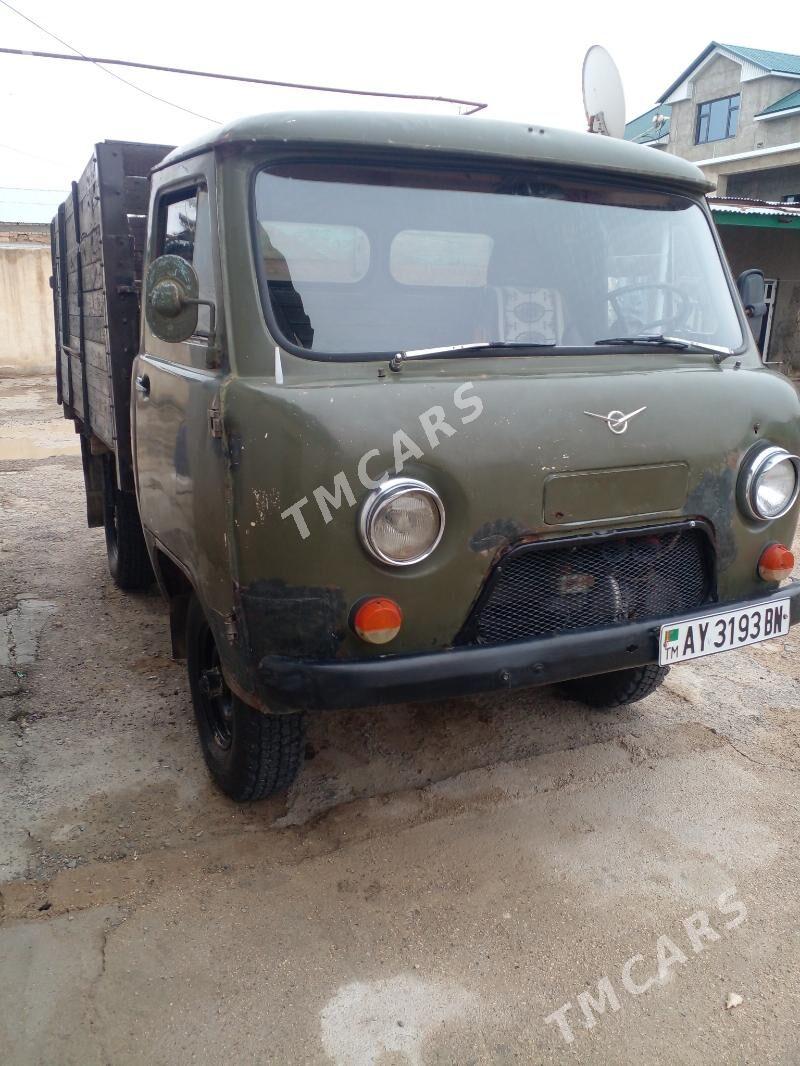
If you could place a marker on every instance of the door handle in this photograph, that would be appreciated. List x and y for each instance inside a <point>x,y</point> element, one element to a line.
<point>143,384</point>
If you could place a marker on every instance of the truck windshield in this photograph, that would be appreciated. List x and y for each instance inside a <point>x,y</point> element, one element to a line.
<point>365,259</point>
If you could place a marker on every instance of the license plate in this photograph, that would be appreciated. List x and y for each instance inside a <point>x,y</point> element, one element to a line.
<point>679,641</point>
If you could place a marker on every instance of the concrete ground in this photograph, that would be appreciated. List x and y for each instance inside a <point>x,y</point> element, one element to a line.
<point>441,880</point>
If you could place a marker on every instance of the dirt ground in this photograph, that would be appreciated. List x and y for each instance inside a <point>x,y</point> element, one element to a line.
<point>440,881</point>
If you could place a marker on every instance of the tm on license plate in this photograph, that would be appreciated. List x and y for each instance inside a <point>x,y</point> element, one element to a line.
<point>679,641</point>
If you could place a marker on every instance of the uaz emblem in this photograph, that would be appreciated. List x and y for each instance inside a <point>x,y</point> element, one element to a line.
<point>616,421</point>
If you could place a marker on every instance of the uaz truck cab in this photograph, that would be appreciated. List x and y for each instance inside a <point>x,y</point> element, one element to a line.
<point>421,407</point>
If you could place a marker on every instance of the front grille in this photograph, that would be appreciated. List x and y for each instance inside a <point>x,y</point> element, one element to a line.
<point>546,588</point>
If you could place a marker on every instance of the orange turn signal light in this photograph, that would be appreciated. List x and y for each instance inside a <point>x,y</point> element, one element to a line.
<point>377,620</point>
<point>776,563</point>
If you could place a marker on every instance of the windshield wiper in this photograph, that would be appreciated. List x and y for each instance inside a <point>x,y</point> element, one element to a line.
<point>476,347</point>
<point>680,343</point>
<point>461,349</point>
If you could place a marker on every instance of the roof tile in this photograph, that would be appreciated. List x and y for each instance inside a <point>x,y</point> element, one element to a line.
<point>774,62</point>
<point>642,130</point>
<point>784,104</point>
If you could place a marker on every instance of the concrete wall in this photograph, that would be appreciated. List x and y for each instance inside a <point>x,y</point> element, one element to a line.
<point>772,184</point>
<point>27,344</point>
<point>778,255</point>
<point>722,77</point>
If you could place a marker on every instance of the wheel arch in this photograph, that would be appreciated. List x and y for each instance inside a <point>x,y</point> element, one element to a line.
<point>179,588</point>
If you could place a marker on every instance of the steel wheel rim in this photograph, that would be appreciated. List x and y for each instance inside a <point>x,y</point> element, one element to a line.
<point>215,696</point>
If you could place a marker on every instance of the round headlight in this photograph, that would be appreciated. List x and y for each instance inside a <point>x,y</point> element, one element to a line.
<point>771,484</point>
<point>402,521</point>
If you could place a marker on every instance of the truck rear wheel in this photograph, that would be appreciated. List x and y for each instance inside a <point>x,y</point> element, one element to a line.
<point>128,560</point>
<point>606,691</point>
<point>250,755</point>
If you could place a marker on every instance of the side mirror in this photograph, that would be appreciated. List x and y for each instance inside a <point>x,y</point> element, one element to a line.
<point>750,284</point>
<point>171,303</point>
<point>171,298</point>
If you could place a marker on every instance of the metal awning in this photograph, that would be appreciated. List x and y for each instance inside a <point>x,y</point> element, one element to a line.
<point>761,214</point>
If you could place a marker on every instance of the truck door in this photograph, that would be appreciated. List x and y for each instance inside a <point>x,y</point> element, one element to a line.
<point>179,464</point>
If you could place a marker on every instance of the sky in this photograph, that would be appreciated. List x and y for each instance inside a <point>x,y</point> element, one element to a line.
<point>523,59</point>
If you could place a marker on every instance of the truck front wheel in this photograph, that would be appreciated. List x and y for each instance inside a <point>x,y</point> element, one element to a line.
<point>128,561</point>
<point>249,755</point>
<point>607,691</point>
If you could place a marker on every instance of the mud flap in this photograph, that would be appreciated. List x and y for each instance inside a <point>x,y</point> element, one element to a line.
<point>93,480</point>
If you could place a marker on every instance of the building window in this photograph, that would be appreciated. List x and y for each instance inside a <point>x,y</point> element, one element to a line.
<point>792,198</point>
<point>717,119</point>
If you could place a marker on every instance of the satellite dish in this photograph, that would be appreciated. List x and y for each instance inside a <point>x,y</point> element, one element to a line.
<point>603,95</point>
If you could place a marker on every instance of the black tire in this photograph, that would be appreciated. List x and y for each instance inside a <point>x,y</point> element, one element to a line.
<point>606,691</point>
<point>249,755</point>
<point>128,561</point>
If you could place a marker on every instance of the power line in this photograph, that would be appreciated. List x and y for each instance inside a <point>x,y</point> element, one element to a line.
<point>29,203</point>
<point>473,105</point>
<point>30,188</point>
<point>31,155</point>
<point>80,55</point>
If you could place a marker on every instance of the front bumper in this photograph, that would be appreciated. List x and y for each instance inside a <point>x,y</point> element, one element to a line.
<point>332,684</point>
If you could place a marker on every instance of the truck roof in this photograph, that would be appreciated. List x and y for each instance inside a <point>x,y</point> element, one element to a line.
<point>479,137</point>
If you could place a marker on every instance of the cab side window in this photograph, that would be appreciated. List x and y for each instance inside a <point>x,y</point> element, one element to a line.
<point>179,228</point>
<point>184,229</point>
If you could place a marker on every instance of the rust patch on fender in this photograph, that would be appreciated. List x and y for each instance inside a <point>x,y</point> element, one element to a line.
<point>495,534</point>
<point>714,498</point>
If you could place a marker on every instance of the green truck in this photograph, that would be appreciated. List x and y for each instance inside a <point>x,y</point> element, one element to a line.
<point>399,407</point>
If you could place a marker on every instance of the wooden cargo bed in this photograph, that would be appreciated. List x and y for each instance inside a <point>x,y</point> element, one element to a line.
<point>98,245</point>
